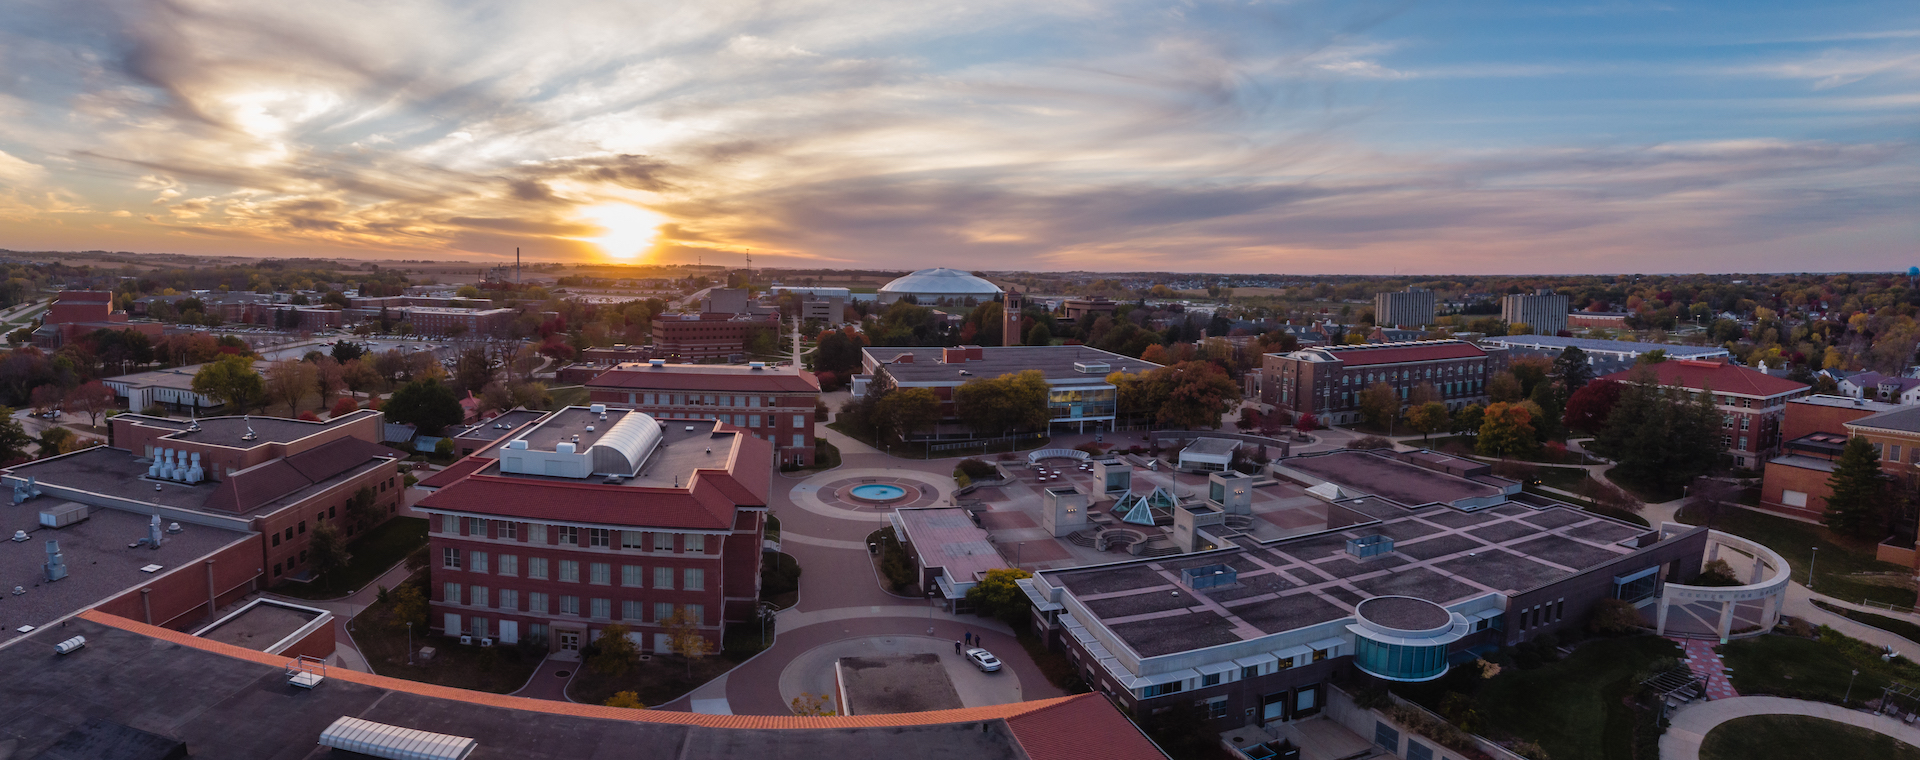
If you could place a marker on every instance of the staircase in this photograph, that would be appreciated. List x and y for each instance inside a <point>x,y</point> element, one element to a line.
<point>1157,547</point>
<point>1084,538</point>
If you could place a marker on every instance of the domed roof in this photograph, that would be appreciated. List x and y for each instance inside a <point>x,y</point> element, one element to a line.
<point>945,282</point>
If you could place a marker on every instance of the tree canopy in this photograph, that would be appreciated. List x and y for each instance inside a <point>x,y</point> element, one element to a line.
<point>998,594</point>
<point>1861,496</point>
<point>230,380</point>
<point>428,405</point>
<point>1004,404</point>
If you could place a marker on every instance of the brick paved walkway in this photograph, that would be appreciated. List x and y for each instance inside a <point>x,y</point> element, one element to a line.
<point>1706,664</point>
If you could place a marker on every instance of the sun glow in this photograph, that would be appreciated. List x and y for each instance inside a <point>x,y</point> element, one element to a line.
<point>626,230</point>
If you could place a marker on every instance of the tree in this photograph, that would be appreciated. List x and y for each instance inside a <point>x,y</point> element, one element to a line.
<point>1713,497</point>
<point>326,551</point>
<point>329,378</point>
<point>1505,430</point>
<point>684,637</point>
<point>288,381</point>
<point>343,407</point>
<point>1860,499</point>
<point>1307,423</point>
<point>1428,418</point>
<point>1004,404</point>
<point>359,376</point>
<point>94,398</point>
<point>1249,419</point>
<point>1198,394</point>
<point>55,440</point>
<point>347,351</point>
<point>1571,369</point>
<point>906,411</point>
<point>429,405</point>
<point>13,438</point>
<point>626,699</point>
<point>613,651</point>
<point>363,509</point>
<point>409,605</point>
<point>1379,404</point>
<point>390,365</point>
<point>474,369</point>
<point>46,397</point>
<point>1467,419</point>
<point>809,705</point>
<point>1039,335</point>
<point>230,380</point>
<point>1504,387</point>
<point>998,595</point>
<point>1530,371</point>
<point>1659,437</point>
<point>1588,408</point>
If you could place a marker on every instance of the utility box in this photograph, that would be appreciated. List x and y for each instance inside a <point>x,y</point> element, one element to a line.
<point>63,514</point>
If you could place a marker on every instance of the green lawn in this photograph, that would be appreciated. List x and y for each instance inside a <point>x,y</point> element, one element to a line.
<point>371,554</point>
<point>568,395</point>
<point>1573,708</point>
<point>1792,737</point>
<point>664,678</point>
<point>1818,670</point>
<point>499,669</point>
<point>1563,478</point>
<point>1894,626</point>
<point>1846,568</point>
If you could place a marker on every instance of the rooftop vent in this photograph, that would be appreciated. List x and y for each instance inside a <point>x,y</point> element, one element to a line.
<point>598,409</point>
<point>1209,576</point>
<point>657,362</point>
<point>756,366</point>
<point>1368,547</point>
<point>564,447</point>
<point>1092,368</point>
<point>589,429</point>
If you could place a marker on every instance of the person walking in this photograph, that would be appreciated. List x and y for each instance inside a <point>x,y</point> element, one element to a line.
<point>969,638</point>
<point>956,647</point>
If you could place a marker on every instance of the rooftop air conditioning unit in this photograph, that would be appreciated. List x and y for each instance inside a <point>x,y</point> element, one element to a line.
<point>466,640</point>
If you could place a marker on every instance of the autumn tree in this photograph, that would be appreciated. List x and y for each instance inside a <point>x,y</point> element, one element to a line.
<point>1379,404</point>
<point>1504,387</point>
<point>1428,418</point>
<point>230,380</point>
<point>998,595</point>
<point>613,651</point>
<point>289,381</point>
<point>94,398</point>
<point>1588,408</point>
<point>1198,394</point>
<point>684,637</point>
<point>1506,429</point>
<point>627,699</point>
<point>329,378</point>
<point>810,705</point>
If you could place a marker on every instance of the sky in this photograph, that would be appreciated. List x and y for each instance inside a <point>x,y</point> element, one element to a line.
<point>1362,136</point>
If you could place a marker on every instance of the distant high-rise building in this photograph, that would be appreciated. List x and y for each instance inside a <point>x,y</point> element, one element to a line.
<point>1413,308</point>
<point>1544,311</point>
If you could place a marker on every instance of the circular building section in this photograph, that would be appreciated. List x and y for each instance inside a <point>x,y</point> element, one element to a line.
<point>1401,638</point>
<point>929,285</point>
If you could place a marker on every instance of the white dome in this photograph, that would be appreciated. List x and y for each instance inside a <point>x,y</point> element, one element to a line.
<point>940,283</point>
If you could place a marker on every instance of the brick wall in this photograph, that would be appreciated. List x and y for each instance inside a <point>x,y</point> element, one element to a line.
<point>179,598</point>
<point>1781,478</point>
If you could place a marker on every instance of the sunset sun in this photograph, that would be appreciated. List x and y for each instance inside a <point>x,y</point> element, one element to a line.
<point>626,230</point>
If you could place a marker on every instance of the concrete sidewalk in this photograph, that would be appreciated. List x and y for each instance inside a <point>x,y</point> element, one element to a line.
<point>1693,722</point>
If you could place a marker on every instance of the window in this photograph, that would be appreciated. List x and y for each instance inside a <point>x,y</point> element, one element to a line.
<point>448,524</point>
<point>450,593</point>
<point>276,539</point>
<point>476,526</point>
<point>1249,672</point>
<point>753,420</point>
<point>569,571</point>
<point>1160,690</point>
<point>537,603</point>
<point>799,420</point>
<point>632,575</point>
<point>597,537</point>
<point>477,561</point>
<point>663,542</point>
<point>695,544</point>
<point>696,613</point>
<point>1893,453</point>
<point>1210,679</point>
<point>569,605</point>
<point>633,539</point>
<point>1418,751</point>
<point>663,577</point>
<point>289,534</point>
<point>630,610</point>
<point>600,573</point>
<point>509,564</point>
<point>509,530</point>
<point>450,558</point>
<point>662,611</point>
<point>537,568</point>
<point>537,533</point>
<point>599,608</point>
<point>799,439</point>
<point>276,569</point>
<point>695,579</point>
<point>303,527</point>
<point>1386,736</point>
<point>477,596</point>
<point>569,535</point>
<point>1215,708</point>
<point>509,599</point>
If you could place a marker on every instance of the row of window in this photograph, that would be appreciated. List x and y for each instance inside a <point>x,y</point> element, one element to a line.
<point>1542,614</point>
<point>568,571</point>
<point>571,535</point>
<point>698,399</point>
<point>1215,679</point>
<point>541,603</point>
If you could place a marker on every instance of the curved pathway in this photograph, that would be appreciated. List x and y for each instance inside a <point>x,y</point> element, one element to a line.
<point>1693,722</point>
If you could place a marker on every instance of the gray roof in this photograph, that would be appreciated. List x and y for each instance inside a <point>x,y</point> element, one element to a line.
<point>1905,420</point>
<point>1057,362</point>
<point>1593,344</point>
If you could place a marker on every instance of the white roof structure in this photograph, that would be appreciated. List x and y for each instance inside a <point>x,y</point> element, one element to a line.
<point>393,742</point>
<point>928,284</point>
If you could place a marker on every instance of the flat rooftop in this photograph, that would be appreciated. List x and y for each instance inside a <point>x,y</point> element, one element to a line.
<point>261,624</point>
<point>115,473</point>
<point>1823,399</point>
<point>229,431</point>
<point>1440,554</point>
<point>1555,342</point>
<point>571,424</point>
<point>896,684</point>
<point>685,446</point>
<point>99,563</point>
<point>945,537</point>
<point>1056,361</point>
<point>1408,484</point>
<point>499,427</point>
<point>225,707</point>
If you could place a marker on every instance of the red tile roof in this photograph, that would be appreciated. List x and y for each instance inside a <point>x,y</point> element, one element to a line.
<point>1396,353</point>
<point>706,378</point>
<point>1060,731</point>
<point>259,485</point>
<point>1719,376</point>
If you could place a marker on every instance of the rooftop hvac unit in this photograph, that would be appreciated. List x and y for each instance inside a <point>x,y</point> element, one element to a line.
<point>63,515</point>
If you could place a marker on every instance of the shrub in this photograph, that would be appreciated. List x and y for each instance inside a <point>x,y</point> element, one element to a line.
<point>308,417</point>
<point>1419,722</point>
<point>977,469</point>
<point>343,407</point>
<point>1717,573</point>
<point>1091,448</point>
<point>1613,617</point>
<point>1371,442</point>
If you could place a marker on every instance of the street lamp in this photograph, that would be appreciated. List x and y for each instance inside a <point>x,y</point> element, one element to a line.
<point>1849,698</point>
<point>409,642</point>
<point>1816,558</point>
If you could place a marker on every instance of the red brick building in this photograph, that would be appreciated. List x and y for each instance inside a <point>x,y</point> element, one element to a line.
<point>707,336</point>
<point>440,320</point>
<point>771,404</point>
<point>77,313</point>
<point>1326,381</point>
<point>595,516</point>
<point>1752,404</point>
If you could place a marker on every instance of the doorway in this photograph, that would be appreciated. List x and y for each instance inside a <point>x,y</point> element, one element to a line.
<point>569,641</point>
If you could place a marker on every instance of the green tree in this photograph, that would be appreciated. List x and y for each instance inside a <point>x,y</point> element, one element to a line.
<point>684,637</point>
<point>1860,503</point>
<point>1199,393</point>
<point>1658,436</point>
<point>326,551</point>
<point>998,595</point>
<point>1467,419</point>
<point>1004,404</point>
<point>1571,370</point>
<point>363,509</point>
<point>613,651</point>
<point>906,411</point>
<point>1428,418</point>
<point>230,380</point>
<point>1379,404</point>
<point>427,404</point>
<point>1039,335</point>
<point>1506,430</point>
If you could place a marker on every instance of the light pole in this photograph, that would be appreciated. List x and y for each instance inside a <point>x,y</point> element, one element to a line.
<point>409,642</point>
<point>1847,700</point>
<point>1816,558</point>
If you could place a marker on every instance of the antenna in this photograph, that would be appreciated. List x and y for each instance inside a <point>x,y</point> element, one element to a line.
<point>193,426</point>
<point>250,434</point>
<point>516,265</point>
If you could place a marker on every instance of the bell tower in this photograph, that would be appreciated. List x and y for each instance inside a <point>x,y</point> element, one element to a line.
<point>1011,317</point>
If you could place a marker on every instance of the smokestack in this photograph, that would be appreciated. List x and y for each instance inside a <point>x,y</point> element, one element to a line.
<point>516,265</point>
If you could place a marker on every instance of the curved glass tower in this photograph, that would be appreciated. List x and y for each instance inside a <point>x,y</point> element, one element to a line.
<point>1401,638</point>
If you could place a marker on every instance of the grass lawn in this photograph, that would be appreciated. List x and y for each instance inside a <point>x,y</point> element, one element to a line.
<point>780,580</point>
<point>1894,626</point>
<point>568,395</point>
<point>664,678</point>
<point>1790,666</point>
<point>1846,568</point>
<point>1563,478</point>
<point>373,553</point>
<point>499,669</point>
<point>1790,737</point>
<point>1573,708</point>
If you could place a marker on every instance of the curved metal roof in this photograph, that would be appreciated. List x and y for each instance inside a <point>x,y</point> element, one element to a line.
<point>941,281</point>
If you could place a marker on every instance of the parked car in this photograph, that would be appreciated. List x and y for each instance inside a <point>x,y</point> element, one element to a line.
<point>983,659</point>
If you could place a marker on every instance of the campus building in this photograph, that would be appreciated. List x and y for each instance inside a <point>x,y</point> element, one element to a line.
<point>1598,320</point>
<point>773,405</point>
<point>1814,431</point>
<point>1086,310</point>
<point>599,515</point>
<point>1079,395</point>
<point>1326,381</point>
<point>77,313</point>
<point>1412,308</point>
<point>1604,356</point>
<point>1424,561</point>
<point>1544,311</point>
<point>451,321</point>
<point>1751,404</point>
<point>930,285</point>
<point>707,336</point>
<point>824,304</point>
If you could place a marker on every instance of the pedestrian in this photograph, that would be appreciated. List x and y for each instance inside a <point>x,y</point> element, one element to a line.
<point>969,638</point>
<point>956,647</point>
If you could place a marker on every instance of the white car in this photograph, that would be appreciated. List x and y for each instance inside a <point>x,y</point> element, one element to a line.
<point>983,659</point>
